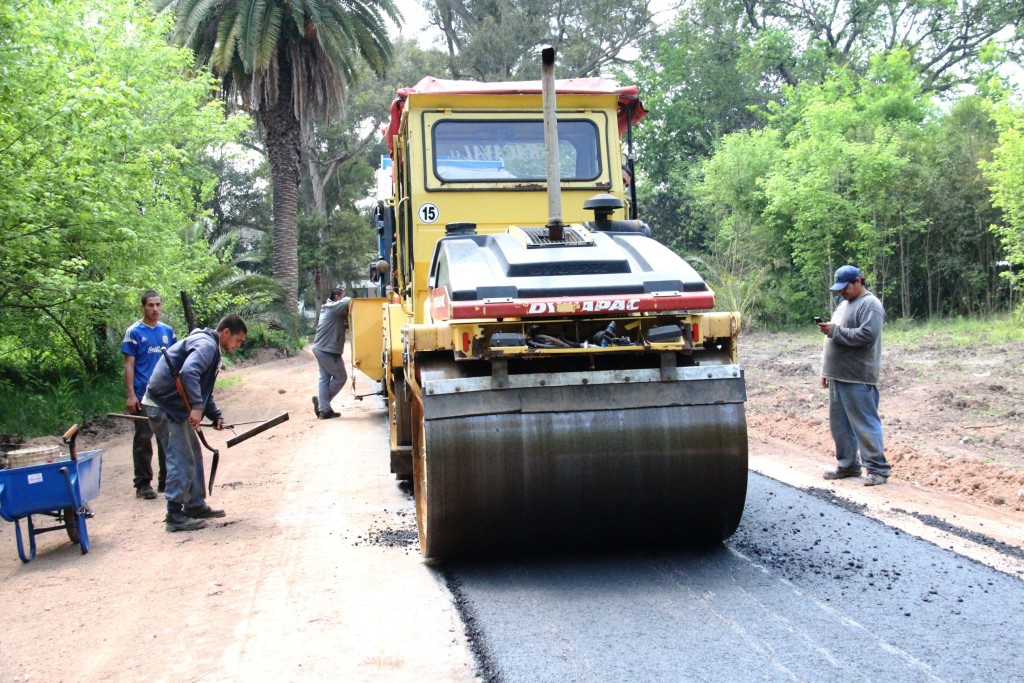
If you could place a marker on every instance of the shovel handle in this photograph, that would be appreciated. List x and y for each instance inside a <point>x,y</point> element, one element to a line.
<point>273,422</point>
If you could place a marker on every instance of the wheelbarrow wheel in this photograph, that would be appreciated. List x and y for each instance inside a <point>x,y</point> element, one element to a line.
<point>71,524</point>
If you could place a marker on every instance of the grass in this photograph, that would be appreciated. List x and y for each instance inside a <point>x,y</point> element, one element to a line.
<point>992,330</point>
<point>229,381</point>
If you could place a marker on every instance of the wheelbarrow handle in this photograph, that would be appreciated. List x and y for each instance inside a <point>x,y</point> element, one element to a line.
<point>69,438</point>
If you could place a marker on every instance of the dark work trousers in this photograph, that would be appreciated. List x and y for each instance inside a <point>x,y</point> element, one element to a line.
<point>142,456</point>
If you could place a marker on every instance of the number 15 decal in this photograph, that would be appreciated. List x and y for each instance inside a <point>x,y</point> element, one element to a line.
<point>429,213</point>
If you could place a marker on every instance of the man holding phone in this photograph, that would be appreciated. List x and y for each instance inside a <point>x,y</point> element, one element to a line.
<point>850,367</point>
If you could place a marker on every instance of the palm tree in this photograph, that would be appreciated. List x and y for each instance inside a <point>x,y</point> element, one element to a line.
<point>288,62</point>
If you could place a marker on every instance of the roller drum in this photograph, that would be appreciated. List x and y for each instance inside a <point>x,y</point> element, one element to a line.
<point>656,475</point>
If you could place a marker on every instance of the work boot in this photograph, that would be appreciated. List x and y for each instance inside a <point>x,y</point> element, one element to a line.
<point>875,480</point>
<point>316,406</point>
<point>841,473</point>
<point>204,512</point>
<point>145,492</point>
<point>328,414</point>
<point>178,521</point>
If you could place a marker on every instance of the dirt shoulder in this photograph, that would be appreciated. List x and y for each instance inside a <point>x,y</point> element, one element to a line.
<point>952,417</point>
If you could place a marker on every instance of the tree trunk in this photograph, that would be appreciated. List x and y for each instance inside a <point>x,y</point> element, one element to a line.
<point>317,184</point>
<point>281,129</point>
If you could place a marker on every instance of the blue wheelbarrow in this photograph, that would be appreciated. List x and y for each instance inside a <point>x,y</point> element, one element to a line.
<point>56,489</point>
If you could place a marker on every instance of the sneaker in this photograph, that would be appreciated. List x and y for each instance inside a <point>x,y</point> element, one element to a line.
<point>145,492</point>
<point>875,480</point>
<point>178,521</point>
<point>316,406</point>
<point>204,512</point>
<point>328,414</point>
<point>841,473</point>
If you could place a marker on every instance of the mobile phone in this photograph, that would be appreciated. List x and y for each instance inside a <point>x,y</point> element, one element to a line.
<point>817,320</point>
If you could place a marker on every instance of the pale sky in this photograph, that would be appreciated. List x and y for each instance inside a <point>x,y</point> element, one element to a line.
<point>415,20</point>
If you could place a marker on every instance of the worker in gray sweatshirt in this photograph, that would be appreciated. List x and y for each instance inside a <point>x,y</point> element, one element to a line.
<point>328,345</point>
<point>850,366</point>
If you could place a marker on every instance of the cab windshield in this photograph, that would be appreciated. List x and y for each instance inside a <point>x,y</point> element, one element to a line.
<point>495,150</point>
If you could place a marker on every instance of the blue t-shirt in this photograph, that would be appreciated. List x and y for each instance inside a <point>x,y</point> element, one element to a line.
<point>144,342</point>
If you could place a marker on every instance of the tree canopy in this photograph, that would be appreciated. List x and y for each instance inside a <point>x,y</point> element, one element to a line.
<point>289,64</point>
<point>499,39</point>
<point>864,170</point>
<point>101,131</point>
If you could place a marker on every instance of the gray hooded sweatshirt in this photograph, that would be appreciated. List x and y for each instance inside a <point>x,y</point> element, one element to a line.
<point>853,347</point>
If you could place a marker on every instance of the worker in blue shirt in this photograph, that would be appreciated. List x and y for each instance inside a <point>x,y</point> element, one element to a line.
<point>141,348</point>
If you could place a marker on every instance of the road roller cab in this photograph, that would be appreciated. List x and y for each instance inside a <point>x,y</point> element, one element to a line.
<point>554,375</point>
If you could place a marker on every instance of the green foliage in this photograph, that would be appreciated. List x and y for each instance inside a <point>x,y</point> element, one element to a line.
<point>955,268</point>
<point>239,206</point>
<point>868,170</point>
<point>228,381</point>
<point>262,336</point>
<point>336,239</point>
<point>978,331</point>
<point>227,287</point>
<point>32,405</point>
<point>289,63</point>
<point>863,170</point>
<point>337,250</point>
<point>695,86</point>
<point>749,256</point>
<point>950,43</point>
<point>696,89</point>
<point>100,130</point>
<point>1006,173</point>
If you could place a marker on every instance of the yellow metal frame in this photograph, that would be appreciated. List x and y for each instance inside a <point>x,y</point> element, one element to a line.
<point>366,318</point>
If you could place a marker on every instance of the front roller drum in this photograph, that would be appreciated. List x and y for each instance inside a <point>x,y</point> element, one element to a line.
<point>651,476</point>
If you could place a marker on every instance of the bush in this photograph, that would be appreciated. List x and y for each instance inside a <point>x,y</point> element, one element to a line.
<point>262,336</point>
<point>31,407</point>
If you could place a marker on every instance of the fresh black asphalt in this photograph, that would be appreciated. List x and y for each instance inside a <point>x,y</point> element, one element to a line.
<point>808,589</point>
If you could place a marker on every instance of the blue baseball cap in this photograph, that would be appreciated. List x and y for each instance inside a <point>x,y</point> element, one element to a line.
<point>844,276</point>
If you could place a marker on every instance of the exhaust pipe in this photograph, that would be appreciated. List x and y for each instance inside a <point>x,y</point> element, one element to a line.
<point>554,176</point>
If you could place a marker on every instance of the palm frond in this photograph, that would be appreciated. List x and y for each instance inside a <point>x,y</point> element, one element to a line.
<point>317,14</point>
<point>201,12</point>
<point>251,14</point>
<point>266,47</point>
<point>226,45</point>
<point>297,11</point>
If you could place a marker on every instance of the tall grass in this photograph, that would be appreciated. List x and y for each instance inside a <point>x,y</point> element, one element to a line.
<point>30,407</point>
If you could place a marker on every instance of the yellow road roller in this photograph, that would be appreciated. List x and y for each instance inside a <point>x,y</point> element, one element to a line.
<point>555,377</point>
